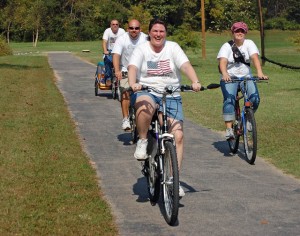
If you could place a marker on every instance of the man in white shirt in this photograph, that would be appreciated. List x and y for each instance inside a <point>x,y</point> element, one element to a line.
<point>122,51</point>
<point>108,41</point>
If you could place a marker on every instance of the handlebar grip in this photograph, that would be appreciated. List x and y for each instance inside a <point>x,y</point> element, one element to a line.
<point>185,87</point>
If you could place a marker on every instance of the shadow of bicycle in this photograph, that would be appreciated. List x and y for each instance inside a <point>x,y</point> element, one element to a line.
<point>222,147</point>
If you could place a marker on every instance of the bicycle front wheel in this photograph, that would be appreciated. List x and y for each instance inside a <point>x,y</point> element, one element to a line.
<point>250,136</point>
<point>170,184</point>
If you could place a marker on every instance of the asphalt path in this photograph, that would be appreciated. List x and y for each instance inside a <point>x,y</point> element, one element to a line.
<point>224,194</point>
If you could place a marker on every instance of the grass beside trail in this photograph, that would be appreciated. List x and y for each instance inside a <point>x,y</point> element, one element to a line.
<point>48,185</point>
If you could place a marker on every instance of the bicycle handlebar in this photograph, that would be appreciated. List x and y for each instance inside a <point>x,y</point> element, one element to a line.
<point>246,78</point>
<point>170,89</point>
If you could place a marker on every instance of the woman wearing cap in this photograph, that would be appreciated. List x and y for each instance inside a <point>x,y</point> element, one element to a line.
<point>230,66</point>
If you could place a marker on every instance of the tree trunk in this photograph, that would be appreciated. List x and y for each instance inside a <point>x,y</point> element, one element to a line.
<point>36,37</point>
<point>8,32</point>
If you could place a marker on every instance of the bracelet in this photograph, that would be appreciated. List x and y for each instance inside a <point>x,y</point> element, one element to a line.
<point>198,82</point>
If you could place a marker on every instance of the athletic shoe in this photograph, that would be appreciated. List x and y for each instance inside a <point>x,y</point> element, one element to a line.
<point>181,191</point>
<point>126,124</point>
<point>141,150</point>
<point>229,134</point>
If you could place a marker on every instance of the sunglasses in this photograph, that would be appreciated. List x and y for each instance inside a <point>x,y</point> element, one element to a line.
<point>134,28</point>
<point>115,24</point>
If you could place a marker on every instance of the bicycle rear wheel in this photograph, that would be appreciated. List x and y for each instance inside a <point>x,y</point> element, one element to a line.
<point>250,136</point>
<point>134,134</point>
<point>153,180</point>
<point>170,184</point>
<point>114,87</point>
<point>234,142</point>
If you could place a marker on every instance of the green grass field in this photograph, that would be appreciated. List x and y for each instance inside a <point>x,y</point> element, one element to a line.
<point>49,186</point>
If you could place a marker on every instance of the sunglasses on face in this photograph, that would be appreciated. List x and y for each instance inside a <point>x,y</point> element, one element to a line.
<point>115,24</point>
<point>134,28</point>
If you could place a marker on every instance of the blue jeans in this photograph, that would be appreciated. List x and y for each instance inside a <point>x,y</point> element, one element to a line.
<point>174,104</point>
<point>108,67</point>
<point>229,91</point>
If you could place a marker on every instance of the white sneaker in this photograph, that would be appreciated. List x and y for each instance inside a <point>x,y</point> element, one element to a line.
<point>141,150</point>
<point>181,191</point>
<point>126,124</point>
<point>229,134</point>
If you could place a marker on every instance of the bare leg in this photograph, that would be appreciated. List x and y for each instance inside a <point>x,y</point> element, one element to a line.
<point>177,130</point>
<point>228,124</point>
<point>145,108</point>
<point>125,102</point>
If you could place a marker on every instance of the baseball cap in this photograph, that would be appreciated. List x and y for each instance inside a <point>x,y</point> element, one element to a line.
<point>239,25</point>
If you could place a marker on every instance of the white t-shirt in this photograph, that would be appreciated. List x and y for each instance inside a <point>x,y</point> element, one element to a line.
<point>124,46</point>
<point>159,69</point>
<point>111,37</point>
<point>238,69</point>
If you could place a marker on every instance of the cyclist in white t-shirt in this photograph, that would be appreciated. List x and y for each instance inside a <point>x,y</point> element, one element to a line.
<point>158,63</point>
<point>236,67</point>
<point>122,51</point>
<point>109,38</point>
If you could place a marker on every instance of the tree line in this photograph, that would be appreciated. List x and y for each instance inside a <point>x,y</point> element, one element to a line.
<point>82,20</point>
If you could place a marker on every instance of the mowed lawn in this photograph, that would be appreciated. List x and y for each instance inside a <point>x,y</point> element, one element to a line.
<point>48,184</point>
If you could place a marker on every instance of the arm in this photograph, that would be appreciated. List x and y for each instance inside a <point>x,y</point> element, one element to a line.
<point>104,46</point>
<point>189,71</point>
<point>256,62</point>
<point>116,63</point>
<point>132,72</point>
<point>223,68</point>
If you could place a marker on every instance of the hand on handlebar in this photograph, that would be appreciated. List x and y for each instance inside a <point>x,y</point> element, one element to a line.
<point>118,75</point>
<point>262,76</point>
<point>196,86</point>
<point>226,77</point>
<point>136,87</point>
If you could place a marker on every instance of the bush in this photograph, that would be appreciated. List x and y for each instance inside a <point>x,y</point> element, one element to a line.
<point>4,48</point>
<point>281,24</point>
<point>185,37</point>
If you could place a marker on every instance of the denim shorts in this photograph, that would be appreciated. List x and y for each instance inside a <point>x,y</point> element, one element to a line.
<point>174,104</point>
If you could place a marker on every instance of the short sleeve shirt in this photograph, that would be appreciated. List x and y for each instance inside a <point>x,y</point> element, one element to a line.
<point>238,69</point>
<point>159,69</point>
<point>111,37</point>
<point>124,46</point>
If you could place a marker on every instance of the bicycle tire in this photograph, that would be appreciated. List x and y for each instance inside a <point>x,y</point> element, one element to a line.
<point>170,184</point>
<point>96,88</point>
<point>134,133</point>
<point>234,143</point>
<point>153,182</point>
<point>114,89</point>
<point>250,136</point>
<point>119,96</point>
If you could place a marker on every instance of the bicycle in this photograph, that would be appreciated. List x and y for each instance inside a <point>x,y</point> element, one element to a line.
<point>115,88</point>
<point>244,124</point>
<point>161,166</point>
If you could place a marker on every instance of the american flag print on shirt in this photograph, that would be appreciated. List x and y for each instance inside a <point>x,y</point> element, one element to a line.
<point>159,68</point>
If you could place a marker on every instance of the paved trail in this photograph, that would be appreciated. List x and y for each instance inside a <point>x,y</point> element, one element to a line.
<point>224,194</point>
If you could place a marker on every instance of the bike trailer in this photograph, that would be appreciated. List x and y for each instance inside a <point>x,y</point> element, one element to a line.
<point>100,73</point>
